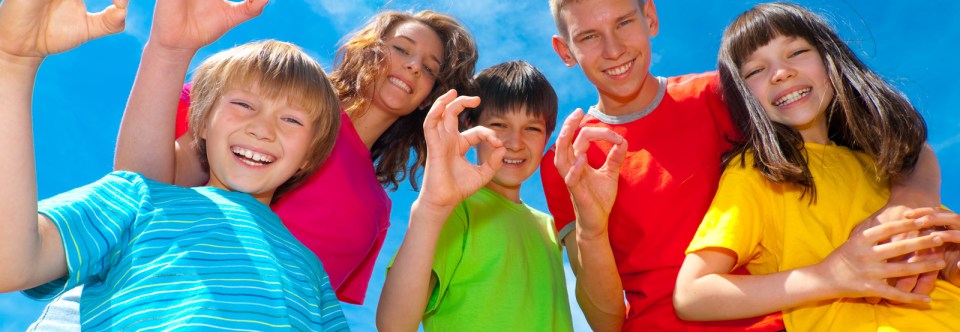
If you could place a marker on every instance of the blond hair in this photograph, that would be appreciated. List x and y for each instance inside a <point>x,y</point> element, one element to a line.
<point>282,71</point>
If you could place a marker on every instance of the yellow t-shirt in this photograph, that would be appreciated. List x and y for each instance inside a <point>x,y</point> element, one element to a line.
<point>771,229</point>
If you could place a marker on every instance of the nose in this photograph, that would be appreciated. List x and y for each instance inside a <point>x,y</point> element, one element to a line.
<point>511,140</point>
<point>782,73</point>
<point>261,128</point>
<point>612,48</point>
<point>414,65</point>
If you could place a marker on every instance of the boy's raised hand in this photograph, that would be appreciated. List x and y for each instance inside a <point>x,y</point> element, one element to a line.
<point>38,28</point>
<point>449,177</point>
<point>593,190</point>
<point>191,24</point>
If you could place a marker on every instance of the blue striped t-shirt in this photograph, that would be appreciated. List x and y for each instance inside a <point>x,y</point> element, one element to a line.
<point>156,256</point>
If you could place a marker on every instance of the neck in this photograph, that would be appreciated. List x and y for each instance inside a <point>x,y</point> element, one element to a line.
<point>816,131</point>
<point>263,197</point>
<point>623,105</point>
<point>371,124</point>
<point>511,193</point>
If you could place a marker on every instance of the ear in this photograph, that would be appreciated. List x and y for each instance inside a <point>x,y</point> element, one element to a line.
<point>560,46</point>
<point>653,22</point>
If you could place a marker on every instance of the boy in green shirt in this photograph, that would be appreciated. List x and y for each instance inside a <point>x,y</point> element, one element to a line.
<point>474,256</point>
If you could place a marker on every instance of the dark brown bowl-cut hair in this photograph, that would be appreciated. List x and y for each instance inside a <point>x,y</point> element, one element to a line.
<point>510,86</point>
<point>281,71</point>
<point>866,114</point>
<point>360,61</point>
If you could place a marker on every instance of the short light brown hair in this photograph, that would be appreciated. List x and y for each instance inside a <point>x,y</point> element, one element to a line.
<point>556,6</point>
<point>359,63</point>
<point>282,71</point>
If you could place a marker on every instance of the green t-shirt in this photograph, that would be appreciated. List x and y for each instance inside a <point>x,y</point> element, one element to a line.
<point>499,268</point>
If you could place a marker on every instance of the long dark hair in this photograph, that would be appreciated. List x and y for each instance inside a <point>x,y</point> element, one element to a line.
<point>360,61</point>
<point>866,114</point>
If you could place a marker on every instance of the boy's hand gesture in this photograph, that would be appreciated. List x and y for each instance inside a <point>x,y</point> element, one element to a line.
<point>449,177</point>
<point>38,28</point>
<point>593,190</point>
<point>189,25</point>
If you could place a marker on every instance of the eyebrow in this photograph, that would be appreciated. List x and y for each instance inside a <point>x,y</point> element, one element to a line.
<point>617,20</point>
<point>434,57</point>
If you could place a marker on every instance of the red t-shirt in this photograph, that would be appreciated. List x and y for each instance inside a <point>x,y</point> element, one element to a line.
<point>667,182</point>
<point>341,213</point>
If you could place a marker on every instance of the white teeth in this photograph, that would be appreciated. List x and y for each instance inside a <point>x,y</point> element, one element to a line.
<point>792,97</point>
<point>400,84</point>
<point>512,161</point>
<point>251,157</point>
<point>620,70</point>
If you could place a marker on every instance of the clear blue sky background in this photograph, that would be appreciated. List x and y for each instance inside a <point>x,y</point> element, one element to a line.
<point>80,95</point>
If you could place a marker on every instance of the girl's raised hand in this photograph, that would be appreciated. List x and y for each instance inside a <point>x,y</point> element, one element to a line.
<point>449,177</point>
<point>191,24</point>
<point>38,28</point>
<point>593,190</point>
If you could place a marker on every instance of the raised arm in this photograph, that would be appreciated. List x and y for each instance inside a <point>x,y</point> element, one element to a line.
<point>599,290</point>
<point>448,179</point>
<point>30,30</point>
<point>707,291</point>
<point>145,143</point>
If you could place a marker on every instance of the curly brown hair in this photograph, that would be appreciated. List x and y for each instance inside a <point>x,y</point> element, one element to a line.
<point>360,61</point>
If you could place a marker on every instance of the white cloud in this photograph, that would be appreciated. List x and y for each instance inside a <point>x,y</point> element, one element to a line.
<point>343,13</point>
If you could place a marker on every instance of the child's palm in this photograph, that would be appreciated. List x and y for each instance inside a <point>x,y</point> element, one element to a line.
<point>449,176</point>
<point>37,28</point>
<point>593,190</point>
<point>192,24</point>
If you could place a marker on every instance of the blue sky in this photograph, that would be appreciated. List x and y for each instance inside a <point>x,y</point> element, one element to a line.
<point>80,95</point>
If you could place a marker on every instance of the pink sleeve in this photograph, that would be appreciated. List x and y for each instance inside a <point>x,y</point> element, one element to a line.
<point>354,286</point>
<point>182,109</point>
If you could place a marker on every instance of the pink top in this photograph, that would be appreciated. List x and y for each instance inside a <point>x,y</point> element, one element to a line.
<point>341,213</point>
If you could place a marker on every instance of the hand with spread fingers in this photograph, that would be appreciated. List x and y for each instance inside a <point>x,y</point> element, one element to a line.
<point>593,190</point>
<point>861,266</point>
<point>38,28</point>
<point>191,24</point>
<point>449,177</point>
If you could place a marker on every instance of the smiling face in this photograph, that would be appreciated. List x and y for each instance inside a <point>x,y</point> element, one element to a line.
<point>610,40</point>
<point>414,52</point>
<point>524,136</point>
<point>788,78</point>
<point>255,144</point>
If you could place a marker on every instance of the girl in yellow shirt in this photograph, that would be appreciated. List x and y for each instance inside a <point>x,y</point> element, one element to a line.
<point>823,134</point>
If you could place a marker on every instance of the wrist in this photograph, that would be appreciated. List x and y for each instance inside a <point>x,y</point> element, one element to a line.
<point>16,64</point>
<point>423,209</point>
<point>168,54</point>
<point>591,234</point>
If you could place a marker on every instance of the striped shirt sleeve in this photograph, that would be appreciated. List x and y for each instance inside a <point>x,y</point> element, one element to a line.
<point>93,221</point>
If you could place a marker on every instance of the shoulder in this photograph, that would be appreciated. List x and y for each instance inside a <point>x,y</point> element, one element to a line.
<point>694,84</point>
<point>742,168</point>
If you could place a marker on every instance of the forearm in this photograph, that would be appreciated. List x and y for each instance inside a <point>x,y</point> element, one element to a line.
<point>145,143</point>
<point>599,289</point>
<point>726,296</point>
<point>920,187</point>
<point>407,288</point>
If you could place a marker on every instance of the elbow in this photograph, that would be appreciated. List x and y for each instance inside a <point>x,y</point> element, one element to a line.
<point>684,306</point>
